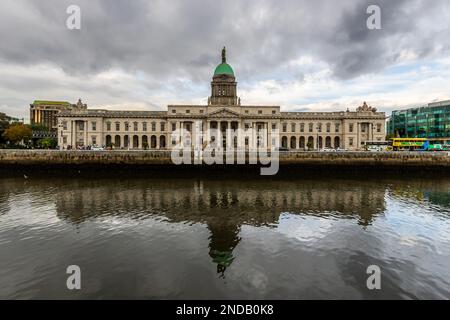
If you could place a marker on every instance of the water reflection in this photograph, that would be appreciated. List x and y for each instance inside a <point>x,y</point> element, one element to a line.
<point>222,207</point>
<point>227,208</point>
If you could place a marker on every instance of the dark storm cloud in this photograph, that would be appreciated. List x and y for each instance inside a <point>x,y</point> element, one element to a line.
<point>183,38</point>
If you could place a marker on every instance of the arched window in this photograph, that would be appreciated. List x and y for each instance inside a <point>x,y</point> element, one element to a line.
<point>293,143</point>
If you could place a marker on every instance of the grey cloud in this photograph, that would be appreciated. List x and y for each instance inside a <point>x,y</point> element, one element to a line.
<point>168,40</point>
<point>183,38</point>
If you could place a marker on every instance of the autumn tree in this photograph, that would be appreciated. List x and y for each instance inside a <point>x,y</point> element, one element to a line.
<point>17,132</point>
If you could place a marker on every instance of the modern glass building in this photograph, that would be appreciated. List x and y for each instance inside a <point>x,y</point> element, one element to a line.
<point>432,121</point>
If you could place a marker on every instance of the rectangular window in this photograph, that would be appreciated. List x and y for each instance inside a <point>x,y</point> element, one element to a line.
<point>127,126</point>
<point>274,126</point>
<point>65,139</point>
<point>302,127</point>
<point>94,126</point>
<point>174,111</point>
<point>174,126</point>
<point>274,111</point>
<point>246,111</point>
<point>284,127</point>
<point>247,126</point>
<point>81,126</point>
<point>94,140</point>
<point>135,126</point>
<point>259,111</point>
<point>108,126</point>
<point>117,126</point>
<point>65,125</point>
<point>337,127</point>
<point>163,126</point>
<point>310,127</point>
<point>188,111</point>
<point>350,127</point>
<point>379,128</point>
<point>144,126</point>
<point>328,127</point>
<point>350,142</point>
<point>153,126</point>
<point>293,127</point>
<point>202,111</point>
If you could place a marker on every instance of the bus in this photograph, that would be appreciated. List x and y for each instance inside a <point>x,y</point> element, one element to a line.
<point>376,146</point>
<point>407,144</point>
<point>435,145</point>
<point>417,144</point>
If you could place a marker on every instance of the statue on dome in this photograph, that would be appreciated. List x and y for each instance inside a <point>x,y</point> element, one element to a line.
<point>224,55</point>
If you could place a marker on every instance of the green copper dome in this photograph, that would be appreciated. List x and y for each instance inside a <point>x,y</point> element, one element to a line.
<point>224,67</point>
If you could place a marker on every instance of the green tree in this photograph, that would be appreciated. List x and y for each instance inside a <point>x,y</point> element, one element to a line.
<point>39,127</point>
<point>4,124</point>
<point>47,143</point>
<point>17,133</point>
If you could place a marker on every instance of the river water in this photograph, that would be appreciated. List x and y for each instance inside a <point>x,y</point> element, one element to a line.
<point>224,238</point>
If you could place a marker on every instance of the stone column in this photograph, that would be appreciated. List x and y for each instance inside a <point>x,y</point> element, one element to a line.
<point>358,136</point>
<point>86,133</point>
<point>238,134</point>
<point>72,133</point>
<point>208,132</point>
<point>228,132</point>
<point>181,133</point>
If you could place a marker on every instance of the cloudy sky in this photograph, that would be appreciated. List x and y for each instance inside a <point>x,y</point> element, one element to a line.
<point>303,55</point>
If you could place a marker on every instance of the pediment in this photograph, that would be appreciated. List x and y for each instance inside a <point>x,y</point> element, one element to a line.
<point>224,113</point>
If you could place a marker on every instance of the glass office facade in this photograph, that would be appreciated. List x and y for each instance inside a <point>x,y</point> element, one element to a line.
<point>432,121</point>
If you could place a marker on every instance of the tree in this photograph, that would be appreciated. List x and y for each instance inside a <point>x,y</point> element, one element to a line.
<point>47,143</point>
<point>39,127</point>
<point>17,133</point>
<point>4,124</point>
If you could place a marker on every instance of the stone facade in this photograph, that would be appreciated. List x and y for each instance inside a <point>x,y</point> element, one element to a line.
<point>243,126</point>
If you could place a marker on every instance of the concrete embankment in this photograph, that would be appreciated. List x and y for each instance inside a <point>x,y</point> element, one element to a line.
<point>50,160</point>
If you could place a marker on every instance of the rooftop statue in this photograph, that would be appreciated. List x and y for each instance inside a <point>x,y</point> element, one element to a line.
<point>366,108</point>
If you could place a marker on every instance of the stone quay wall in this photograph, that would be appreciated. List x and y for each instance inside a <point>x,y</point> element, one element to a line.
<point>23,158</point>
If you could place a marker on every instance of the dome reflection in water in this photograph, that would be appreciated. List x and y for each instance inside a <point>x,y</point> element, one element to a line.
<point>192,238</point>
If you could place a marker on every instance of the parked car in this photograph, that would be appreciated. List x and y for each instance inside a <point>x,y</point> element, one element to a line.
<point>328,150</point>
<point>97,148</point>
<point>282,149</point>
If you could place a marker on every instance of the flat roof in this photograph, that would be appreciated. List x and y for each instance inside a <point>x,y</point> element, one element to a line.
<point>47,102</point>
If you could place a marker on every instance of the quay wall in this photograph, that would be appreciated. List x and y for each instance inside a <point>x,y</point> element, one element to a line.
<point>23,158</point>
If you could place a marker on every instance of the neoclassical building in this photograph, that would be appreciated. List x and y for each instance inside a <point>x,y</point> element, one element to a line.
<point>255,126</point>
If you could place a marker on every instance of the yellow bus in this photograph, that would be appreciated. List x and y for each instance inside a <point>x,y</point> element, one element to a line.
<point>407,144</point>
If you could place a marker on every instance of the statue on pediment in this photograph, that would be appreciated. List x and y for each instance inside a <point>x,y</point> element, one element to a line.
<point>366,108</point>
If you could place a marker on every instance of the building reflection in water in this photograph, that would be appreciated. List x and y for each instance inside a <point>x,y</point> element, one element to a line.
<point>222,206</point>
